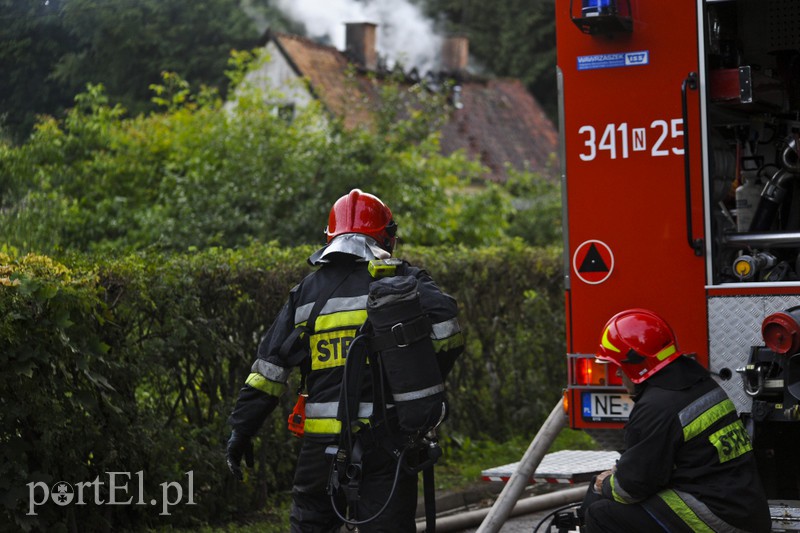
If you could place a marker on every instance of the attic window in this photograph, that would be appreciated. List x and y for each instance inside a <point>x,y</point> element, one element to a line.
<point>457,101</point>
<point>284,111</point>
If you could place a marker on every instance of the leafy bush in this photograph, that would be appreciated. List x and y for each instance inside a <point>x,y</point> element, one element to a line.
<point>200,174</point>
<point>127,355</point>
<point>511,309</point>
<point>133,364</point>
<point>537,216</point>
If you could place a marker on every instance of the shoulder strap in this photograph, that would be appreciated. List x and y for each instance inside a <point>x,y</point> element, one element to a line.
<point>322,299</point>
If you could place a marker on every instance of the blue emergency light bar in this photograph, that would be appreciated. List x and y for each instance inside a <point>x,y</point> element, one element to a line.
<point>593,8</point>
<point>603,16</point>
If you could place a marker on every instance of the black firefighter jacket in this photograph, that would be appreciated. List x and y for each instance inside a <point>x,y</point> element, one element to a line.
<point>335,328</point>
<point>688,458</point>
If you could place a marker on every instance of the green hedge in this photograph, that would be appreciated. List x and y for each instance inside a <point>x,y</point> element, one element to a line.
<point>131,365</point>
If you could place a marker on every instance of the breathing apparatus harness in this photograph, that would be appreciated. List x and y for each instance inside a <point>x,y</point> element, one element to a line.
<point>395,341</point>
<point>300,357</point>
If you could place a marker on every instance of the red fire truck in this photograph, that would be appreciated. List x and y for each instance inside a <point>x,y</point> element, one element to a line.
<point>680,128</point>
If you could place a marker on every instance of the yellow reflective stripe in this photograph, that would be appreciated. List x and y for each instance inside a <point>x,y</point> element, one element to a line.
<point>325,426</point>
<point>329,349</point>
<point>697,407</point>
<point>684,512</point>
<point>607,343</point>
<point>707,419</point>
<point>441,345</point>
<point>666,352</point>
<point>259,382</point>
<point>731,441</point>
<point>617,492</point>
<point>341,320</point>
<point>322,425</point>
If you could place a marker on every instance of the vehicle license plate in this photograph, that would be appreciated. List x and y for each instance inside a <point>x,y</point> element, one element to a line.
<point>605,406</point>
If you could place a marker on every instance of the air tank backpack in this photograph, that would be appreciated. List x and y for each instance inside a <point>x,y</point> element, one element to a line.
<point>401,340</point>
<point>407,389</point>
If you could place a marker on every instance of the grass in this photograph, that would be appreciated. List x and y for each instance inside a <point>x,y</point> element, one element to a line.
<point>465,459</point>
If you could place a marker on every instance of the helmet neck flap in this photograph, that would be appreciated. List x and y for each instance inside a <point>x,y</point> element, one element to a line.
<point>362,247</point>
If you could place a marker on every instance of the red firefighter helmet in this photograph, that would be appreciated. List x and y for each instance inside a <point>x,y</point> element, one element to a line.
<point>360,212</point>
<point>640,342</point>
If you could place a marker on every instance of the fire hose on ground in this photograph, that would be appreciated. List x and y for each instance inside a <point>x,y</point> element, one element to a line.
<point>510,494</point>
<point>524,506</point>
<point>508,502</point>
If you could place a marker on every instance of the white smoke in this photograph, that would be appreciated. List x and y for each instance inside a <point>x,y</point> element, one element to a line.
<point>404,35</point>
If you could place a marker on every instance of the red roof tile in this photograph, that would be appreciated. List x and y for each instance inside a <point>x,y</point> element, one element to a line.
<point>328,75</point>
<point>500,121</point>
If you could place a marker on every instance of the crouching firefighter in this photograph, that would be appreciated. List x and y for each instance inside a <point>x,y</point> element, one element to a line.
<point>374,337</point>
<point>688,463</point>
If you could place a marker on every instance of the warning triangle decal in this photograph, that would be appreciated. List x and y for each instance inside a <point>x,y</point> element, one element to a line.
<point>593,262</point>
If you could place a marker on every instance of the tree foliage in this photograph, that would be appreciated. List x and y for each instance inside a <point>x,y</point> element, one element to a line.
<point>537,216</point>
<point>51,49</point>
<point>32,39</point>
<point>125,45</point>
<point>201,174</point>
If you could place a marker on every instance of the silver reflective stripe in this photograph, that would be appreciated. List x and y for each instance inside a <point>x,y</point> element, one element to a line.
<point>443,330</point>
<point>331,409</point>
<point>704,513</point>
<point>334,305</point>
<point>417,394</point>
<point>701,405</point>
<point>271,371</point>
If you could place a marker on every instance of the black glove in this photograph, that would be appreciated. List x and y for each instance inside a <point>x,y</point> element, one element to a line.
<point>239,445</point>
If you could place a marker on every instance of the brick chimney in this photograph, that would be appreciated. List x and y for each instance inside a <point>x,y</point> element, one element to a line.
<point>455,55</point>
<point>360,44</point>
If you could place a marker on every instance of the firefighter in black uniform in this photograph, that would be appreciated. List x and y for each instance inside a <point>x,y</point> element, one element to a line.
<point>688,463</point>
<point>360,233</point>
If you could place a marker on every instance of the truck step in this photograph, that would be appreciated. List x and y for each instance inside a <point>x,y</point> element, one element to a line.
<point>566,466</point>
<point>785,515</point>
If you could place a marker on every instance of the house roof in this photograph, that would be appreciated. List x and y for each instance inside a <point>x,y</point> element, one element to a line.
<point>499,122</point>
<point>330,77</point>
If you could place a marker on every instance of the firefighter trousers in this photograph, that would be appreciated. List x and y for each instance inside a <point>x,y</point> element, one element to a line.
<point>601,515</point>
<point>312,510</point>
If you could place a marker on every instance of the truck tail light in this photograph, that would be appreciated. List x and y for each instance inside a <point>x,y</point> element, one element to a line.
<point>583,372</point>
<point>587,371</point>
